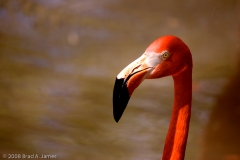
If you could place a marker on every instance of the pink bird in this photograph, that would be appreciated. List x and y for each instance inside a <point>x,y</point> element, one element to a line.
<point>166,56</point>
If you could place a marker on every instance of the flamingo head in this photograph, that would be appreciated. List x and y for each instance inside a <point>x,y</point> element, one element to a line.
<point>165,56</point>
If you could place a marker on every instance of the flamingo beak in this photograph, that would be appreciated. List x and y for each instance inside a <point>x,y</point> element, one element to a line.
<point>126,82</point>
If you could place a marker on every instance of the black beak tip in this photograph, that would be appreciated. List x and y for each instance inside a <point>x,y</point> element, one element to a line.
<point>117,118</point>
<point>120,98</point>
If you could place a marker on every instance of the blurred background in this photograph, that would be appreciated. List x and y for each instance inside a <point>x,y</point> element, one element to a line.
<point>59,60</point>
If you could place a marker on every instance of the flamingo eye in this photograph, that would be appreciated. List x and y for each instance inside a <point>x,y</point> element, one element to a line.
<point>165,54</point>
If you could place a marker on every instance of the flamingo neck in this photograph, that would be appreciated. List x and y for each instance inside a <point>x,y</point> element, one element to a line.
<point>176,140</point>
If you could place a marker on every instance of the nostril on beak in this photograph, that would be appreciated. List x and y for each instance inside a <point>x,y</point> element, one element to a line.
<point>135,68</point>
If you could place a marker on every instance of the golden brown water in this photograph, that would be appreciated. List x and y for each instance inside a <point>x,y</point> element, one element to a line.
<point>59,60</point>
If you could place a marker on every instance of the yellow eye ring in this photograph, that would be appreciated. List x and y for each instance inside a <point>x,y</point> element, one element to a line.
<point>165,55</point>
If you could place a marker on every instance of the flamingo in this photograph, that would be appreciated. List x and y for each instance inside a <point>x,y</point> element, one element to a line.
<point>167,55</point>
